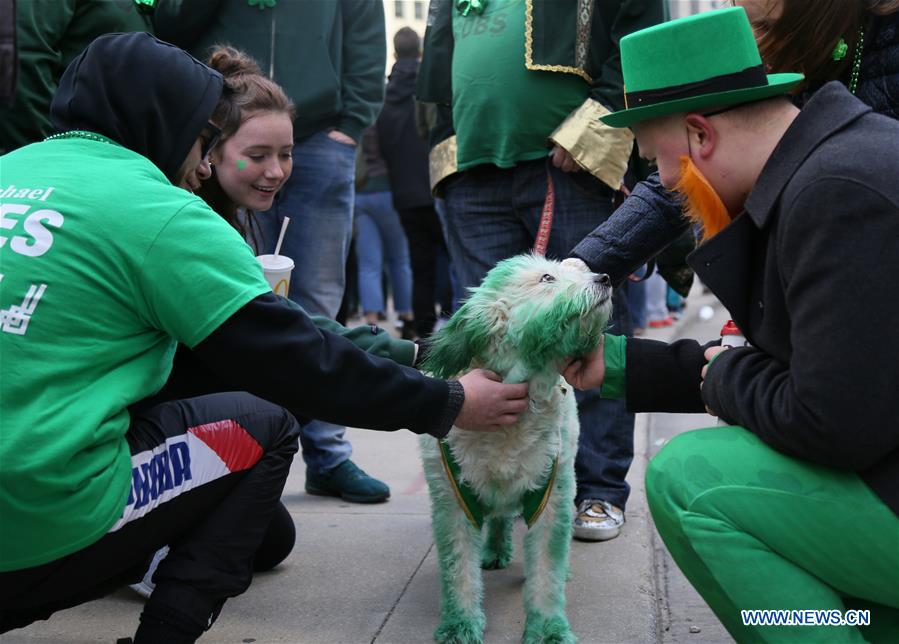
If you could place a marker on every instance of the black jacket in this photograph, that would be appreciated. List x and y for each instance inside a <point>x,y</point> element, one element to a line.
<point>810,273</point>
<point>405,153</point>
<point>647,223</point>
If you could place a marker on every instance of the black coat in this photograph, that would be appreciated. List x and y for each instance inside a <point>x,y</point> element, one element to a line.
<point>404,152</point>
<point>651,219</point>
<point>810,273</point>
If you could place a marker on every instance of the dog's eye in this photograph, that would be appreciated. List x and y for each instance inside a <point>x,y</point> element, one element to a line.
<point>547,278</point>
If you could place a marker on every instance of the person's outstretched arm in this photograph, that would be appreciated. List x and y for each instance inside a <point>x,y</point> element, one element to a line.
<point>648,221</point>
<point>274,351</point>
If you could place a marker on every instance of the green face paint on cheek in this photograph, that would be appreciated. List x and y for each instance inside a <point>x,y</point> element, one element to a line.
<point>241,164</point>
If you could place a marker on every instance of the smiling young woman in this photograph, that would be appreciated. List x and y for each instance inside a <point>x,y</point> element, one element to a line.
<point>253,158</point>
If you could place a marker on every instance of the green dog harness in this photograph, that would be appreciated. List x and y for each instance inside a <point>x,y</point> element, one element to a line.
<point>532,503</point>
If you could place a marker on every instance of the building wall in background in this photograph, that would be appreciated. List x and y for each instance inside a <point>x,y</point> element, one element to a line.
<point>681,8</point>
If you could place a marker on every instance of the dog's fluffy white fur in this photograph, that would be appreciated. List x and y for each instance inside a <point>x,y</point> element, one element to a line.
<point>527,316</point>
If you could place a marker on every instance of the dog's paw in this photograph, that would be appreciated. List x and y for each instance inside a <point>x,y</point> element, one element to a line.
<point>459,631</point>
<point>495,560</point>
<point>554,630</point>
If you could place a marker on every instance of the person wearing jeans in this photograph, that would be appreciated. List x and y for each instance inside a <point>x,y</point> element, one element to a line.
<point>380,236</point>
<point>379,233</point>
<point>338,90</point>
<point>493,149</point>
<point>402,138</point>
<point>318,199</point>
<point>494,213</point>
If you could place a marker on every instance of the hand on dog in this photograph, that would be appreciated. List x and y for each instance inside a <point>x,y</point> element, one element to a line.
<point>710,354</point>
<point>586,372</point>
<point>489,403</point>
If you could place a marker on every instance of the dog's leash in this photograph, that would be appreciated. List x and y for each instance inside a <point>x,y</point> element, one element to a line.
<point>546,217</point>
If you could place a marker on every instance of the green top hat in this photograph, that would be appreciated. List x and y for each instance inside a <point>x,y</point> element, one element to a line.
<point>706,60</point>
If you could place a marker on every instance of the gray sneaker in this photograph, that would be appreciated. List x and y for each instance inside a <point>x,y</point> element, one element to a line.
<point>146,585</point>
<point>597,520</point>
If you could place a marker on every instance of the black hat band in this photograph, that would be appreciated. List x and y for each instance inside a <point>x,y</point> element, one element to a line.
<point>748,78</point>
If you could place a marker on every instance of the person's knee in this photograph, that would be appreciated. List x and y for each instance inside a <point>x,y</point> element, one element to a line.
<point>273,427</point>
<point>278,541</point>
<point>286,431</point>
<point>667,475</point>
<point>695,462</point>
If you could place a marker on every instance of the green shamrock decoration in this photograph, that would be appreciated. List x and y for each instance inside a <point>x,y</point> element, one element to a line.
<point>262,4</point>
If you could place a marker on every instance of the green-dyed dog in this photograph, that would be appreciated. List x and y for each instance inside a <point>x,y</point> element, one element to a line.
<point>528,315</point>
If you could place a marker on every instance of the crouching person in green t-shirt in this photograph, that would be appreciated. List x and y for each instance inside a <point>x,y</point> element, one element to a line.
<point>106,264</point>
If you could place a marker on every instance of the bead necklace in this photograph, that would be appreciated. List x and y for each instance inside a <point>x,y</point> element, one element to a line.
<point>81,134</point>
<point>857,60</point>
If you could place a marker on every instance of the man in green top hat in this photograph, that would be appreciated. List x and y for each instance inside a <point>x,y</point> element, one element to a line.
<point>801,245</point>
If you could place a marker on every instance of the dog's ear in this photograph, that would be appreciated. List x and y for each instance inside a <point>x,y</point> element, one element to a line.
<point>466,337</point>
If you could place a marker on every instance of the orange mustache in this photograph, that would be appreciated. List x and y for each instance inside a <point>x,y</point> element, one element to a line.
<point>702,205</point>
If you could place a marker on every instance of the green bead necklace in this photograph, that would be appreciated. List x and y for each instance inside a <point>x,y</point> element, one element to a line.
<point>857,60</point>
<point>81,134</point>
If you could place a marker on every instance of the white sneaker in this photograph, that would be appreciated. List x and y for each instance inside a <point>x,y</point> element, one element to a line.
<point>597,520</point>
<point>146,586</point>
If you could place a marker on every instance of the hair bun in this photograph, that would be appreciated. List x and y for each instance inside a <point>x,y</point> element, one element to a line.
<point>230,62</point>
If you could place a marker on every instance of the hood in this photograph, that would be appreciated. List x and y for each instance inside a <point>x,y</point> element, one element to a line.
<point>141,92</point>
<point>401,83</point>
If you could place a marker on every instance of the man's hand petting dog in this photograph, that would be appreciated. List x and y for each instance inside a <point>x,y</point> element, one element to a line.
<point>710,354</point>
<point>586,372</point>
<point>489,403</point>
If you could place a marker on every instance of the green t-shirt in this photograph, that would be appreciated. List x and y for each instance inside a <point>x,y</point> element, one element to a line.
<point>104,265</point>
<point>503,112</point>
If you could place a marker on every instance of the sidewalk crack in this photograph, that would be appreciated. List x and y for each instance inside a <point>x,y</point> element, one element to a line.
<point>402,593</point>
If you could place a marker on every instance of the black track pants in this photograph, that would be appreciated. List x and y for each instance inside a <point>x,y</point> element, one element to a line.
<point>207,475</point>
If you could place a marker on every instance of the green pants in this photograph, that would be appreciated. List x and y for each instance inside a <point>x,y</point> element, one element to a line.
<point>752,528</point>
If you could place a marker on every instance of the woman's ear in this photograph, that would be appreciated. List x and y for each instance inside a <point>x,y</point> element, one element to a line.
<point>215,156</point>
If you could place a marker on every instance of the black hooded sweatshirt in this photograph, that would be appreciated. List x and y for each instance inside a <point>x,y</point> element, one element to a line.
<point>404,152</point>
<point>147,95</point>
<point>155,99</point>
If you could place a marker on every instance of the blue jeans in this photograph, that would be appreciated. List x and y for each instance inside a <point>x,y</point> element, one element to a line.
<point>379,233</point>
<point>318,198</point>
<point>493,213</point>
<point>656,302</point>
<point>458,292</point>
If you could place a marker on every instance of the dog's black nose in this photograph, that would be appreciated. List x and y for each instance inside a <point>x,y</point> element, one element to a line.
<point>602,279</point>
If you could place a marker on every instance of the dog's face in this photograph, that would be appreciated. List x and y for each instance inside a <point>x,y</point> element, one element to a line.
<point>529,313</point>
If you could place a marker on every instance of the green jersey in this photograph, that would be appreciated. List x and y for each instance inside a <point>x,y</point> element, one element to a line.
<point>502,111</point>
<point>104,266</point>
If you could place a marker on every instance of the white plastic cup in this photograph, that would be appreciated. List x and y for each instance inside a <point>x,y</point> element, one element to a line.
<point>277,269</point>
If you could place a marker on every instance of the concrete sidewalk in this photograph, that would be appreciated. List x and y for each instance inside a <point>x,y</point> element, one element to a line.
<point>366,574</point>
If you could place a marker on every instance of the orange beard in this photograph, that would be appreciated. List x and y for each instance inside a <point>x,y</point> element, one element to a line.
<point>702,205</point>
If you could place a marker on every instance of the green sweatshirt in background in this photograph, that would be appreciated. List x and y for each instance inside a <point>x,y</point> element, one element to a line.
<point>50,34</point>
<point>328,55</point>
